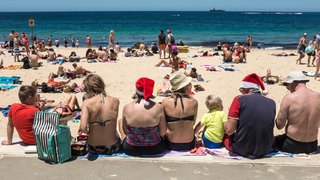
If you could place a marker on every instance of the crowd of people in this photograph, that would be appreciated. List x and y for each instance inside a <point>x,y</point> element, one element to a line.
<point>148,128</point>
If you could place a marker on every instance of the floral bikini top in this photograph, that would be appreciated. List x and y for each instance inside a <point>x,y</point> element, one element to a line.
<point>143,136</point>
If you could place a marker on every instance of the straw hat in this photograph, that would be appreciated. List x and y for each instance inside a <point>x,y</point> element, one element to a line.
<point>16,34</point>
<point>179,80</point>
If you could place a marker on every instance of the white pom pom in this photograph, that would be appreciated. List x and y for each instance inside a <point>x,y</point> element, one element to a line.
<point>146,103</point>
<point>265,92</point>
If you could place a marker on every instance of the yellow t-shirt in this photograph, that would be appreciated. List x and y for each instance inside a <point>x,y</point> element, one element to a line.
<point>213,120</point>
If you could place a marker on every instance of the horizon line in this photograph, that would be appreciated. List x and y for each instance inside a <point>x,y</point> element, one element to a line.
<point>157,11</point>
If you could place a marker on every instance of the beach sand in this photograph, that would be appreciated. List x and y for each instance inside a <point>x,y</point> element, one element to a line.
<point>120,78</point>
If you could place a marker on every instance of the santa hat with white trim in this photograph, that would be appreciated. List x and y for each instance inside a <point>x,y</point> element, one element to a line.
<point>144,87</point>
<point>253,81</point>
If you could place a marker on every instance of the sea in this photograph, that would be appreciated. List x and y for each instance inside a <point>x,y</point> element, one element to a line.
<point>203,28</point>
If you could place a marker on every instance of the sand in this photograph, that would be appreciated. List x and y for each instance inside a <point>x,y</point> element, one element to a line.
<point>120,77</point>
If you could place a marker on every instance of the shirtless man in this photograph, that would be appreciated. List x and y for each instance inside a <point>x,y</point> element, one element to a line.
<point>33,58</point>
<point>51,55</point>
<point>11,38</point>
<point>227,55</point>
<point>79,69</point>
<point>301,48</point>
<point>299,114</point>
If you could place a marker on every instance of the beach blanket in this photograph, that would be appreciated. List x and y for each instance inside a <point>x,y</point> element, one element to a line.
<point>9,79</point>
<point>164,154</point>
<point>310,74</point>
<point>200,151</point>
<point>209,67</point>
<point>13,67</point>
<point>229,67</point>
<point>5,111</point>
<point>8,82</point>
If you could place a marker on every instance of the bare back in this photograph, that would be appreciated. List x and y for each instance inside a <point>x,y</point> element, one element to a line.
<point>301,110</point>
<point>100,113</point>
<point>135,114</point>
<point>180,131</point>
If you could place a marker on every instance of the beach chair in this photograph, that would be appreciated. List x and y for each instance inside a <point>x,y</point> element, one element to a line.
<point>53,139</point>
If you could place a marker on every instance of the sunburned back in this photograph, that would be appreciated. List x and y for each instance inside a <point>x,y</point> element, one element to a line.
<point>102,120</point>
<point>304,113</point>
<point>180,131</point>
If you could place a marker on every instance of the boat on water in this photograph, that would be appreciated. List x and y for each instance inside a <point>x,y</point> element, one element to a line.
<point>217,10</point>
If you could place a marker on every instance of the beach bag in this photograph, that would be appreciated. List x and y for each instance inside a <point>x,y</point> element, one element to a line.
<point>172,40</point>
<point>52,140</point>
<point>308,49</point>
<point>26,63</point>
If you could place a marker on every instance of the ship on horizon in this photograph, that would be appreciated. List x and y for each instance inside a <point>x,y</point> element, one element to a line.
<point>216,10</point>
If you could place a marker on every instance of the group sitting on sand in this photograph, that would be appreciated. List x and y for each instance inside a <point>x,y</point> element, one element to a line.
<point>149,128</point>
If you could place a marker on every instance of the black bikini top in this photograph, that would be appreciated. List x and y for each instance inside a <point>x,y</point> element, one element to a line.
<point>174,119</point>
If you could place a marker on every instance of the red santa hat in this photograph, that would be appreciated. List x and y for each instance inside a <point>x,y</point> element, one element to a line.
<point>144,87</point>
<point>253,81</point>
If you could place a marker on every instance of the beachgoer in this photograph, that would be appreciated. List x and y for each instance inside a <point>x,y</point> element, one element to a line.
<point>111,39</point>
<point>180,113</point>
<point>317,65</point>
<point>34,59</point>
<point>117,48</point>
<point>299,114</point>
<point>154,48</point>
<point>162,44</point>
<point>301,48</point>
<point>51,55</point>
<point>180,43</point>
<point>56,84</point>
<point>143,124</point>
<point>65,42</point>
<point>77,43</point>
<point>99,113</point>
<point>88,41</point>
<point>113,55</point>
<point>249,42</point>
<point>57,43</point>
<point>73,57</point>
<point>269,78</point>
<point>16,45</point>
<point>11,39</point>
<point>25,41</point>
<point>176,61</point>
<point>210,129</point>
<point>170,41</point>
<point>67,107</point>
<point>79,69</point>
<point>250,120</point>
<point>227,55</point>
<point>21,116</point>
<point>49,42</point>
<point>318,41</point>
<point>193,74</point>
<point>312,45</point>
<point>128,53</point>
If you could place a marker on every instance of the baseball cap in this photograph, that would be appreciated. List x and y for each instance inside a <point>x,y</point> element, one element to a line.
<point>295,76</point>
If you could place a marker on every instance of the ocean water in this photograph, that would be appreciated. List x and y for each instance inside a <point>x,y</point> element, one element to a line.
<point>194,28</point>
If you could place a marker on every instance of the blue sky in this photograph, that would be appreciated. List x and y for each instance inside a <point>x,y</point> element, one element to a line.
<point>159,5</point>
